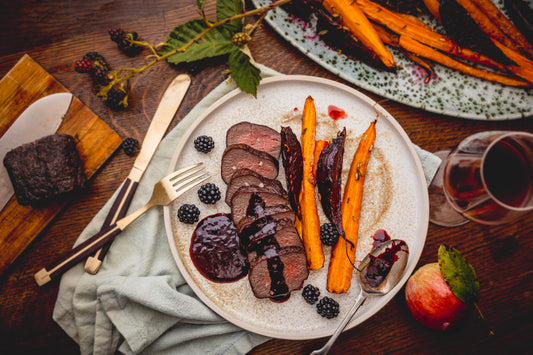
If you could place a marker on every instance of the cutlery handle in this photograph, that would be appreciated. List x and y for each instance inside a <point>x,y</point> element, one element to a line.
<point>117,211</point>
<point>77,254</point>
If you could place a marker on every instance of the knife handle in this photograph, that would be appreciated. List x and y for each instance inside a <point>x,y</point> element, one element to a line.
<point>77,254</point>
<point>117,211</point>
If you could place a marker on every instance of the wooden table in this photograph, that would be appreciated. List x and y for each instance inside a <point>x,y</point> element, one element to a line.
<point>55,33</point>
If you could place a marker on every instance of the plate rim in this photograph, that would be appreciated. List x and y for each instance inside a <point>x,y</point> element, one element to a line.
<point>364,85</point>
<point>306,335</point>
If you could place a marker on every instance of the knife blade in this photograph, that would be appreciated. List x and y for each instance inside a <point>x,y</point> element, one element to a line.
<point>42,118</point>
<point>166,110</point>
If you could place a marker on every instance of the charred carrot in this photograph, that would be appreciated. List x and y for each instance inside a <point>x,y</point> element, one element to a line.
<point>350,16</point>
<point>397,24</point>
<point>310,220</point>
<point>496,17</point>
<point>433,8</point>
<point>411,45</point>
<point>342,261</point>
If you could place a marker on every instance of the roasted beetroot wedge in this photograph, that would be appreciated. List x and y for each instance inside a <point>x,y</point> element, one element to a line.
<point>291,154</point>
<point>329,179</point>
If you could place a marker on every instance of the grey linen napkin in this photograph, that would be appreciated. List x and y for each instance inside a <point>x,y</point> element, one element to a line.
<point>139,302</point>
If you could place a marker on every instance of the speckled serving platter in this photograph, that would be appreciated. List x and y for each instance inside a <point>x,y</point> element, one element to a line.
<point>450,92</point>
<point>395,198</point>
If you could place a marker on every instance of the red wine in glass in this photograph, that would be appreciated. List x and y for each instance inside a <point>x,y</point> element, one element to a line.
<point>488,178</point>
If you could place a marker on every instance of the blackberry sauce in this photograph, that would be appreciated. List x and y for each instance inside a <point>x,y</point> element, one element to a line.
<point>380,266</point>
<point>215,249</point>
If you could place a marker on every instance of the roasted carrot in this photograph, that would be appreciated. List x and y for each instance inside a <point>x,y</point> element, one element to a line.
<point>342,261</point>
<point>411,45</point>
<point>506,26</point>
<point>310,220</point>
<point>433,8</point>
<point>397,24</point>
<point>351,17</point>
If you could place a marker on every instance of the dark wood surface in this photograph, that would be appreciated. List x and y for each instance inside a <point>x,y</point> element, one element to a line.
<point>55,33</point>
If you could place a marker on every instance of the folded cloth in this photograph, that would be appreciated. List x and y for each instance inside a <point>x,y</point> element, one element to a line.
<point>139,302</point>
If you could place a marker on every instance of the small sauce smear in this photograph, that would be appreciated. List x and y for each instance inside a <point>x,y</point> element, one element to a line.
<point>336,113</point>
<point>215,249</point>
<point>380,237</point>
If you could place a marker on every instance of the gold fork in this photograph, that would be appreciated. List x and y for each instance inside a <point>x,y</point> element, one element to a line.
<point>165,191</point>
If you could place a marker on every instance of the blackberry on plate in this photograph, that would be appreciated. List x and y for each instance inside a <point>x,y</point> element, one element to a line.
<point>188,213</point>
<point>204,144</point>
<point>327,307</point>
<point>310,293</point>
<point>329,234</point>
<point>209,193</point>
<point>129,145</point>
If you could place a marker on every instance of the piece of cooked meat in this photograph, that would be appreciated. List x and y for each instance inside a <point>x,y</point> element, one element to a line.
<point>45,169</point>
<point>240,156</point>
<point>241,200</point>
<point>257,136</point>
<point>247,177</point>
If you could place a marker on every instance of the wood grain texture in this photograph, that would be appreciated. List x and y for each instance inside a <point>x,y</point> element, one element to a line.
<point>27,81</point>
<point>56,33</point>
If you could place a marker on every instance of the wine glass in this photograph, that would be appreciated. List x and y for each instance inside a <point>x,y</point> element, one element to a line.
<point>487,178</point>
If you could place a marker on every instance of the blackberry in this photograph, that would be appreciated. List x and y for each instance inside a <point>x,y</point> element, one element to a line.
<point>130,145</point>
<point>97,60</point>
<point>310,294</point>
<point>327,307</point>
<point>204,144</point>
<point>188,213</point>
<point>328,234</point>
<point>83,65</point>
<point>209,193</point>
<point>116,99</point>
<point>116,34</point>
<point>100,76</point>
<point>124,41</point>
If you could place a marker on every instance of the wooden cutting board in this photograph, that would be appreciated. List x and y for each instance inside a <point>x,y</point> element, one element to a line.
<point>25,83</point>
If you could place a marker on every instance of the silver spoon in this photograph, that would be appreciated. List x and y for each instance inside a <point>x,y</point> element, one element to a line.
<point>371,285</point>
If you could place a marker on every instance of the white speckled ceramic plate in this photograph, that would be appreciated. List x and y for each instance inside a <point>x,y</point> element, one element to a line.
<point>453,93</point>
<point>395,198</point>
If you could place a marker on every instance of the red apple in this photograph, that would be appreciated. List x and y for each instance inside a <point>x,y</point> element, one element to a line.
<point>430,299</point>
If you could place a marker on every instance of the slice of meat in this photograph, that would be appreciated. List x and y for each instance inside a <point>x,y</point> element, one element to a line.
<point>261,228</point>
<point>241,201</point>
<point>257,136</point>
<point>287,214</point>
<point>285,237</point>
<point>247,177</point>
<point>240,156</point>
<point>277,276</point>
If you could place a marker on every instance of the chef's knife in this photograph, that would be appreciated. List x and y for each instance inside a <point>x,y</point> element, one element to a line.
<point>40,119</point>
<point>163,116</point>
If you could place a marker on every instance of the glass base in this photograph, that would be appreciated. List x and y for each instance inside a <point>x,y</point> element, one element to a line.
<point>441,212</point>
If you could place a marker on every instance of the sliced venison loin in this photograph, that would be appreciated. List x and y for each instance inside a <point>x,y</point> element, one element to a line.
<point>276,276</point>
<point>247,177</point>
<point>240,156</point>
<point>257,136</point>
<point>241,201</point>
<point>283,237</point>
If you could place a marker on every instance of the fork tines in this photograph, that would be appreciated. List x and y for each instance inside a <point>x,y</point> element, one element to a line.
<point>192,176</point>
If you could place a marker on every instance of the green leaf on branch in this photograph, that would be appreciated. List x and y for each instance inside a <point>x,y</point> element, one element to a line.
<point>458,274</point>
<point>229,8</point>
<point>246,75</point>
<point>214,43</point>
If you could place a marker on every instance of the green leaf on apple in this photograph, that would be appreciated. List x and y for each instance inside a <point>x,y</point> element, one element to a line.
<point>458,274</point>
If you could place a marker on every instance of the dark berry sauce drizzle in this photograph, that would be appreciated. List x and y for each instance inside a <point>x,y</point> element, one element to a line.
<point>380,266</point>
<point>215,249</point>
